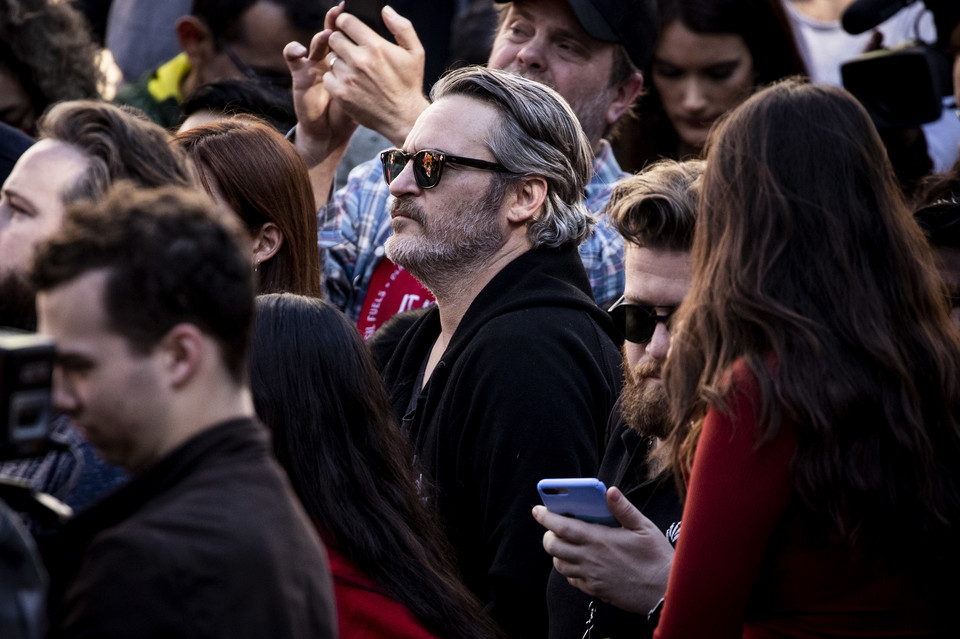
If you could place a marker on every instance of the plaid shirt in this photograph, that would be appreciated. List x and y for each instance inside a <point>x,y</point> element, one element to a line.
<point>355,224</point>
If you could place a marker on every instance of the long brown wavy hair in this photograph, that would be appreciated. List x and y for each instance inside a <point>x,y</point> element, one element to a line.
<point>809,268</point>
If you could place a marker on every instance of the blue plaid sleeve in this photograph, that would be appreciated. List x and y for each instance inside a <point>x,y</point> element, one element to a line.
<point>602,252</point>
<point>353,228</point>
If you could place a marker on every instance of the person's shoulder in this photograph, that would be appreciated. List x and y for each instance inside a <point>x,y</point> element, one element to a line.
<point>218,522</point>
<point>540,324</point>
<point>542,344</point>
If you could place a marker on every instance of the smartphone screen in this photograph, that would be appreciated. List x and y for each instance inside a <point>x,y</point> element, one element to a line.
<point>369,12</point>
<point>581,497</point>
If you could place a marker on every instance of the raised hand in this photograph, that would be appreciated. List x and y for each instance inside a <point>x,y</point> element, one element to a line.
<point>380,84</point>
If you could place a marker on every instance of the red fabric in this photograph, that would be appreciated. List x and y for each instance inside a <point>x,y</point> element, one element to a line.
<point>392,290</point>
<point>742,566</point>
<point>364,611</point>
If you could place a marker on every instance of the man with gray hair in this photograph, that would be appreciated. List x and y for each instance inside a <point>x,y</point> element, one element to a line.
<point>590,51</point>
<point>510,378</point>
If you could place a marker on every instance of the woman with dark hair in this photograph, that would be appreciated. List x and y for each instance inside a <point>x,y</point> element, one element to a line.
<point>711,55</point>
<point>250,168</point>
<point>816,378</point>
<point>315,387</point>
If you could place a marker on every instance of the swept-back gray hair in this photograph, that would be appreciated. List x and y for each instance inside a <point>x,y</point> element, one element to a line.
<point>539,135</point>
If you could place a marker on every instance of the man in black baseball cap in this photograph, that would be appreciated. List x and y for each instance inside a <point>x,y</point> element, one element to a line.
<point>629,23</point>
<point>582,38</point>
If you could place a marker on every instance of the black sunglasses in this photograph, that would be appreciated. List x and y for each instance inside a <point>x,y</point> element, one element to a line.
<point>637,323</point>
<point>274,79</point>
<point>428,165</point>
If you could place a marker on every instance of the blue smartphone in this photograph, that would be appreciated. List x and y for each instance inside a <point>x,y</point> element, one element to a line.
<point>582,497</point>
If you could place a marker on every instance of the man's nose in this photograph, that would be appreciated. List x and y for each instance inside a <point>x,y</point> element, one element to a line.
<point>659,344</point>
<point>405,183</point>
<point>532,55</point>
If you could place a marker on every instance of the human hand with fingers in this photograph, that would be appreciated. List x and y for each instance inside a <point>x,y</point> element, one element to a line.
<point>626,567</point>
<point>322,124</point>
<point>380,84</point>
<point>323,127</point>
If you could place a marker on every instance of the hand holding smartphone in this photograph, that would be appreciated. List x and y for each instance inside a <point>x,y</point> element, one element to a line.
<point>584,498</point>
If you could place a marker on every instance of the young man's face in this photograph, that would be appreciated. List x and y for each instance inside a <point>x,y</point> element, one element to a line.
<point>114,395</point>
<point>542,40</point>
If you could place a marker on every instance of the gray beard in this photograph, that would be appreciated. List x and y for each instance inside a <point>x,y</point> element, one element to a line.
<point>448,252</point>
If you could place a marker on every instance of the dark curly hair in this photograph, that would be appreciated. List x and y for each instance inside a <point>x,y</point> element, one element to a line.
<point>47,46</point>
<point>172,257</point>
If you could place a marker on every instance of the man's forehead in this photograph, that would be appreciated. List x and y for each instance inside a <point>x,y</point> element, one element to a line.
<point>632,24</point>
<point>561,16</point>
<point>657,276</point>
<point>74,306</point>
<point>50,153</point>
<point>265,23</point>
<point>452,124</point>
<point>47,165</point>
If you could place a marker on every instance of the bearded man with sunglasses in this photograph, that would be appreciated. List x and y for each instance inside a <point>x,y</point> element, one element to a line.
<point>607,582</point>
<point>590,51</point>
<point>511,376</point>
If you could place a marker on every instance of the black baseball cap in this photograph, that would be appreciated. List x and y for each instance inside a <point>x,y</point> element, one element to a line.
<point>630,23</point>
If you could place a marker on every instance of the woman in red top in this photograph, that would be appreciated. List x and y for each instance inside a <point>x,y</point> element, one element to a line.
<point>818,378</point>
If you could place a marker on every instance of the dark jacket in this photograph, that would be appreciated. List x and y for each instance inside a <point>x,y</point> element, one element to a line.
<point>521,393</point>
<point>207,542</point>
<point>625,466</point>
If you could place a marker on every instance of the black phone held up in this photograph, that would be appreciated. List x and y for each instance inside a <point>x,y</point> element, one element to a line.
<point>369,12</point>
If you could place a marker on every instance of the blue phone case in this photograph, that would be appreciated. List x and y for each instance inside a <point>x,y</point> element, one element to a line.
<point>580,497</point>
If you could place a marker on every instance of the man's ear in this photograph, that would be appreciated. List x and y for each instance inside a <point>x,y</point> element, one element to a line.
<point>624,95</point>
<point>182,350</point>
<point>267,242</point>
<point>196,40</point>
<point>526,198</point>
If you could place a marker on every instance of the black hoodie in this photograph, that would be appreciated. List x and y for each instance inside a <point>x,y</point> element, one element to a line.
<point>522,393</point>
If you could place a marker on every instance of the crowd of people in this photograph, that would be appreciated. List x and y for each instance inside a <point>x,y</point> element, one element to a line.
<point>325,314</point>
